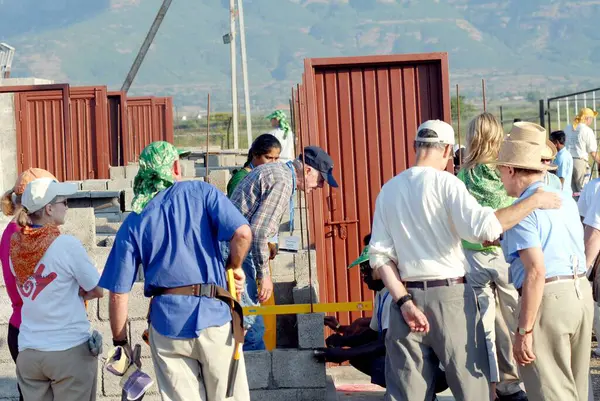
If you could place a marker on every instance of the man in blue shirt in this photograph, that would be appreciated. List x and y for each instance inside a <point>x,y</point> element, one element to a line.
<point>547,266</point>
<point>174,235</point>
<point>563,160</point>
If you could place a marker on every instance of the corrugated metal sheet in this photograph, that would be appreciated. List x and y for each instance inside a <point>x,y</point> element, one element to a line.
<point>41,128</point>
<point>117,127</point>
<point>89,132</point>
<point>364,111</point>
<point>149,119</point>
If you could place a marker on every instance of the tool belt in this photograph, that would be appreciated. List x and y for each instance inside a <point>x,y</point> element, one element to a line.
<point>211,291</point>
<point>556,278</point>
<point>423,285</point>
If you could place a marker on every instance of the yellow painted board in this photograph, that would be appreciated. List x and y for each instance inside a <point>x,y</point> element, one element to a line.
<point>305,308</point>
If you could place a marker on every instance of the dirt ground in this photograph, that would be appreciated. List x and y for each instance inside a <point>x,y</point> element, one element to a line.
<point>595,372</point>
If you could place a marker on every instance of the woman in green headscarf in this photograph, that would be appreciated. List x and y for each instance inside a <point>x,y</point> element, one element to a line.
<point>283,132</point>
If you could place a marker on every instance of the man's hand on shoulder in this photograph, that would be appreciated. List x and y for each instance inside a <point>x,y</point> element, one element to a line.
<point>547,200</point>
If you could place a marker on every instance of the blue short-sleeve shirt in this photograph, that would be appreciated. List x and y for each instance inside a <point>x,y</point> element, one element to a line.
<point>564,162</point>
<point>558,232</point>
<point>176,241</point>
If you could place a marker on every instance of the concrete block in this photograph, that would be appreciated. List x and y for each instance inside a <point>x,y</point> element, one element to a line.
<point>287,333</point>
<point>311,332</point>
<point>227,160</point>
<point>127,199</point>
<point>136,329</point>
<point>104,196</point>
<point>282,268</point>
<point>192,178</point>
<point>79,195</point>
<point>297,369</point>
<point>117,172</point>
<point>220,178</point>
<point>107,228</point>
<point>312,394</point>
<point>240,160</point>
<point>188,168</point>
<point>5,356</point>
<point>301,267</point>
<point>258,368</point>
<point>81,223</point>
<point>8,381</point>
<point>110,204</point>
<point>274,395</point>
<point>94,185</point>
<point>78,183</point>
<point>120,184</point>
<point>131,171</point>
<point>112,217</point>
<point>99,256</point>
<point>302,294</point>
<point>138,304</point>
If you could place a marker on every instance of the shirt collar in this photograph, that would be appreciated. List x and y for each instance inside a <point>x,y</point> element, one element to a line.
<point>531,188</point>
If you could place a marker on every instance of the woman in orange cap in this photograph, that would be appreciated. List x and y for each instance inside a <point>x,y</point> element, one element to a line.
<point>11,204</point>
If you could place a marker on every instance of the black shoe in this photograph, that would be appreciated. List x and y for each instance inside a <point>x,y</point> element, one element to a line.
<point>518,396</point>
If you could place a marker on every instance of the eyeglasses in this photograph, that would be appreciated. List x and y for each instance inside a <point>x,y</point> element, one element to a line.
<point>64,202</point>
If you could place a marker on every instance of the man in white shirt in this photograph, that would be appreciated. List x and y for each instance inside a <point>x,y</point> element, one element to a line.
<point>581,142</point>
<point>420,217</point>
<point>587,196</point>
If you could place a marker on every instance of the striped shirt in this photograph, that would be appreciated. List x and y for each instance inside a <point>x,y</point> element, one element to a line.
<point>263,196</point>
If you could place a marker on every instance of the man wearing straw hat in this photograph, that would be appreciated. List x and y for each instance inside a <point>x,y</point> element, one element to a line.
<point>581,142</point>
<point>547,266</point>
<point>420,217</point>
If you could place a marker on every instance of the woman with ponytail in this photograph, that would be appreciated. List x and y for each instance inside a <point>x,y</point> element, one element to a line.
<point>11,205</point>
<point>283,132</point>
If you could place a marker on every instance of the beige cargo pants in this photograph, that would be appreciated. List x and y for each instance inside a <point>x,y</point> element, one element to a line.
<point>456,339</point>
<point>498,300</point>
<point>197,369</point>
<point>562,339</point>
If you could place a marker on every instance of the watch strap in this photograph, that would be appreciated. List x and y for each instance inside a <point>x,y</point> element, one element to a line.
<point>404,300</point>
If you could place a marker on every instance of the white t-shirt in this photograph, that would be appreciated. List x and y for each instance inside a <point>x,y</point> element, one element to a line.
<point>287,144</point>
<point>380,320</point>
<point>54,316</point>
<point>421,215</point>
<point>587,196</point>
<point>580,141</point>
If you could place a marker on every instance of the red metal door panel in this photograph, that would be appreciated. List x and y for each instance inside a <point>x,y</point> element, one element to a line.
<point>40,131</point>
<point>364,111</point>
<point>117,128</point>
<point>89,133</point>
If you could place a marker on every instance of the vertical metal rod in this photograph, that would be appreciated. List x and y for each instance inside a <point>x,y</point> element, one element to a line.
<point>245,72</point>
<point>567,108</point>
<point>501,117</point>
<point>458,123</point>
<point>558,114</point>
<point>594,107</point>
<point>232,51</point>
<point>483,91</point>
<point>207,177</point>
<point>584,100</point>
<point>542,113</point>
<point>576,108</point>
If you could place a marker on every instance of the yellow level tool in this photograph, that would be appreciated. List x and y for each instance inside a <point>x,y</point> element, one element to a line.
<point>297,309</point>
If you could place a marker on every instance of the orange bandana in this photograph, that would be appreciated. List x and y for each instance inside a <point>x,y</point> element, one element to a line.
<point>27,248</point>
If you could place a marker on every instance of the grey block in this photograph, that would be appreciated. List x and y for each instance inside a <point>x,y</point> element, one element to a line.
<point>138,304</point>
<point>297,369</point>
<point>5,356</point>
<point>8,381</point>
<point>220,178</point>
<point>79,195</point>
<point>258,368</point>
<point>111,217</point>
<point>105,194</point>
<point>78,183</point>
<point>81,223</point>
<point>99,256</point>
<point>188,168</point>
<point>274,395</point>
<point>301,267</point>
<point>312,394</point>
<point>127,199</point>
<point>302,294</point>
<point>282,268</point>
<point>131,171</point>
<point>107,228</point>
<point>192,178</point>
<point>116,173</point>
<point>287,333</point>
<point>94,185</point>
<point>136,329</point>
<point>311,332</point>
<point>120,184</point>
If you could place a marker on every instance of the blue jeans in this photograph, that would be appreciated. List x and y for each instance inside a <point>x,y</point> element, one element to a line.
<point>254,324</point>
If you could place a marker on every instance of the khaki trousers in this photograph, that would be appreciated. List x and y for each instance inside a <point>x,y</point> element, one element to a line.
<point>456,339</point>
<point>69,375</point>
<point>562,339</point>
<point>197,369</point>
<point>498,300</point>
<point>579,170</point>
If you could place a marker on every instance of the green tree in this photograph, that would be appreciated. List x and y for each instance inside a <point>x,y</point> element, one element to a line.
<point>466,109</point>
<point>533,96</point>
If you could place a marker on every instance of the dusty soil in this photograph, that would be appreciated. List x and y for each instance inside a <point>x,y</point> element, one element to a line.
<point>595,372</point>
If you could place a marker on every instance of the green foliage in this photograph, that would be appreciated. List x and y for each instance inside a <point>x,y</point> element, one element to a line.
<point>466,109</point>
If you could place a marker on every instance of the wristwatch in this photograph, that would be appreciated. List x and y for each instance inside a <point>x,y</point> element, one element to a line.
<point>404,300</point>
<point>522,331</point>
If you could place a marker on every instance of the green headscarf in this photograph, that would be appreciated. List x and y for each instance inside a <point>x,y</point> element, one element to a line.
<point>155,173</point>
<point>279,115</point>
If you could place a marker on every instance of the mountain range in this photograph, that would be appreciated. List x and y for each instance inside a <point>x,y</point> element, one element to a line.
<point>518,46</point>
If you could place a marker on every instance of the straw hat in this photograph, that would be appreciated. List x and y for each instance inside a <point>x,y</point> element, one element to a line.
<point>521,154</point>
<point>534,133</point>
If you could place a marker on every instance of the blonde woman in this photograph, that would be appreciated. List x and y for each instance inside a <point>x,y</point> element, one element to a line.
<point>489,270</point>
<point>581,143</point>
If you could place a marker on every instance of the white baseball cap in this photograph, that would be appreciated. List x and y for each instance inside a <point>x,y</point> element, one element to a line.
<point>444,131</point>
<point>42,191</point>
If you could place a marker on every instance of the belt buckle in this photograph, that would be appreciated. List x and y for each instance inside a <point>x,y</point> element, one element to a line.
<point>196,290</point>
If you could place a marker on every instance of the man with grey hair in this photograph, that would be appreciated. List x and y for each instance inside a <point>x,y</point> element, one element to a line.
<point>421,215</point>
